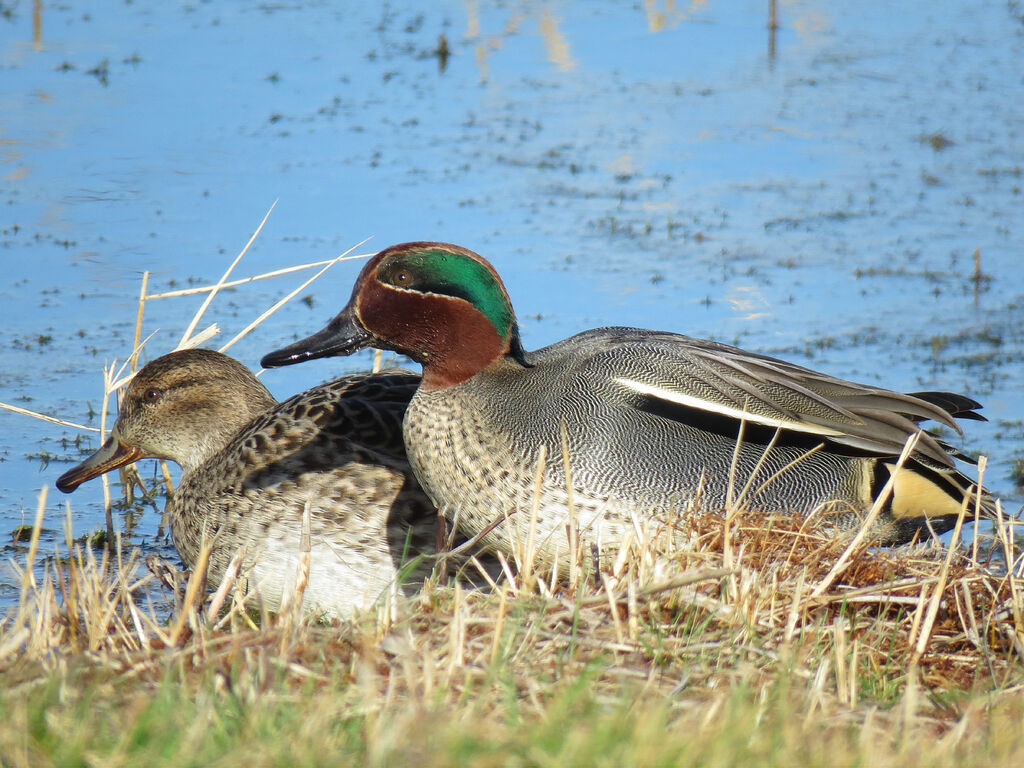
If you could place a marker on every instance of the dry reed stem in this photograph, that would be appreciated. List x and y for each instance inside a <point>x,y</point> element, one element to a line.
<point>226,583</point>
<point>253,278</point>
<point>933,607</point>
<point>134,359</point>
<point>529,554</point>
<point>105,479</point>
<point>869,521</point>
<point>44,417</point>
<point>223,279</point>
<point>289,296</point>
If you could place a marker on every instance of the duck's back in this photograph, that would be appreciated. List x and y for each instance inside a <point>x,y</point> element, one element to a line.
<point>336,448</point>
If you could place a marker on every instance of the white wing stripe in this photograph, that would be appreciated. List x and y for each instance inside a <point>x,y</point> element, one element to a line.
<point>690,401</point>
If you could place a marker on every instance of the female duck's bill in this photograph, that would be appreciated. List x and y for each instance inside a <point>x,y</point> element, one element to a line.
<point>111,455</point>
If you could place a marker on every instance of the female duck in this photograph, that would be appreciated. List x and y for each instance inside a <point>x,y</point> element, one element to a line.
<point>631,426</point>
<point>250,466</point>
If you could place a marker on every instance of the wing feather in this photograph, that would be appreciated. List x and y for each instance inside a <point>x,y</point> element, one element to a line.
<point>729,381</point>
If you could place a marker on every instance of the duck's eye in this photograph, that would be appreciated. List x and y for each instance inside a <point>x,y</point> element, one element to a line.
<point>402,278</point>
<point>151,395</point>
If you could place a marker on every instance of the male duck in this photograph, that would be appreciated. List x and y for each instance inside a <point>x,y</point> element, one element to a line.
<point>648,424</point>
<point>250,466</point>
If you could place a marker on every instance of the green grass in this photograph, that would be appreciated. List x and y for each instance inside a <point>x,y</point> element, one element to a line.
<point>239,712</point>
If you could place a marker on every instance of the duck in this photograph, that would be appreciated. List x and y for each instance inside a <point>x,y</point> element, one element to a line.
<point>616,429</point>
<point>251,466</point>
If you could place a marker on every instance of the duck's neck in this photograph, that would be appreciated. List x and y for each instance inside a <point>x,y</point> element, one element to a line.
<point>471,344</point>
<point>221,422</point>
<point>449,336</point>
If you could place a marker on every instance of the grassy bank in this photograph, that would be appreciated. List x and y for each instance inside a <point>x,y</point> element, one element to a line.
<point>762,645</point>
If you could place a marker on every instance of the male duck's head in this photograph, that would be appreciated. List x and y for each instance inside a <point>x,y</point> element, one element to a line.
<point>442,305</point>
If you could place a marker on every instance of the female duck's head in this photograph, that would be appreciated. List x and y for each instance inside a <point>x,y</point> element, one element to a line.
<point>183,406</point>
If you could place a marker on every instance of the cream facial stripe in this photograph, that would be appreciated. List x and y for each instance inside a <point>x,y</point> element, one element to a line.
<point>690,401</point>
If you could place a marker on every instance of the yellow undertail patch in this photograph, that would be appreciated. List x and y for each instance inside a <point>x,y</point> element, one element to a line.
<point>917,496</point>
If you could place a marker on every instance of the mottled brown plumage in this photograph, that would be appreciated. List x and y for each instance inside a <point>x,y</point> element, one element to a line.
<point>250,466</point>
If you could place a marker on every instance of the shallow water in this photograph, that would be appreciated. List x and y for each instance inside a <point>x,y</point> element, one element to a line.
<point>819,196</point>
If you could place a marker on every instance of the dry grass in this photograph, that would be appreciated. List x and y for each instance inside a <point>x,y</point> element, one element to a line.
<point>723,654</point>
<point>762,643</point>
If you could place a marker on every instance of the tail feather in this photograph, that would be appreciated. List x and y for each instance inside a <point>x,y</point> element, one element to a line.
<point>958,406</point>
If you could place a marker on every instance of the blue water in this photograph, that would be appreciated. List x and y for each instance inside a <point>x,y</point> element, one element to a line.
<point>820,198</point>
